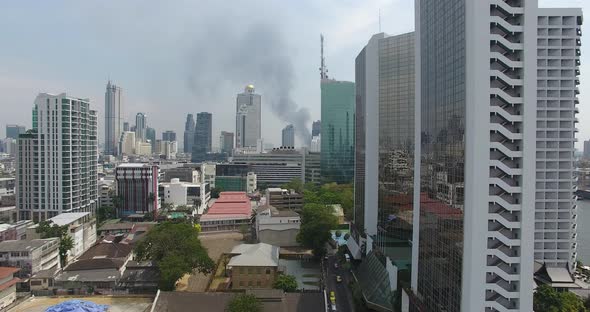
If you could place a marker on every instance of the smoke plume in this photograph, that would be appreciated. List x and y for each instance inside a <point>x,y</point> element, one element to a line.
<point>229,56</point>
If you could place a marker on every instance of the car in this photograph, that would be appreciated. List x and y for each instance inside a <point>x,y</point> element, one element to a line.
<point>326,257</point>
<point>333,307</point>
<point>338,279</point>
<point>332,297</point>
<point>335,265</point>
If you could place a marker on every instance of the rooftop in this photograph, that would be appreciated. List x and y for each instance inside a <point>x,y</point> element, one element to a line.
<point>231,203</point>
<point>68,217</point>
<point>260,254</point>
<point>107,250</point>
<point>134,165</point>
<point>25,245</point>
<point>278,212</point>
<point>7,271</point>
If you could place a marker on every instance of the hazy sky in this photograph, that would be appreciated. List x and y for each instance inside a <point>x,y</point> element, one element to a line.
<point>177,57</point>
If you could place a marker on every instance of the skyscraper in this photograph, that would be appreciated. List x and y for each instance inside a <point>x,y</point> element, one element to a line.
<point>203,133</point>
<point>113,118</point>
<point>226,142</point>
<point>586,152</point>
<point>126,126</point>
<point>316,128</point>
<point>493,189</point>
<point>248,118</point>
<point>12,131</point>
<point>169,136</point>
<point>337,149</point>
<point>140,127</point>
<point>150,135</point>
<point>384,80</point>
<point>189,134</point>
<point>288,136</point>
<point>57,160</point>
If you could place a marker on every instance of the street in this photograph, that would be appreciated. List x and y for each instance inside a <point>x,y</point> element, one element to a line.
<point>341,290</point>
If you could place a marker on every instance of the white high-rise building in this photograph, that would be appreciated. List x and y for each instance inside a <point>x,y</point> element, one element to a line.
<point>494,184</point>
<point>141,127</point>
<point>248,118</point>
<point>316,144</point>
<point>57,160</point>
<point>288,138</point>
<point>113,117</point>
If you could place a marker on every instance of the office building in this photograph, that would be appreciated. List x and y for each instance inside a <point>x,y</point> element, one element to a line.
<point>113,119</point>
<point>169,136</point>
<point>586,152</point>
<point>203,136</point>
<point>12,131</point>
<point>496,113</point>
<point>126,126</point>
<point>337,149</point>
<point>183,174</point>
<point>226,142</point>
<point>189,134</point>
<point>248,118</point>
<point>140,127</point>
<point>288,136</point>
<point>311,167</point>
<point>127,143</point>
<point>137,187</point>
<point>384,79</point>
<point>284,199</point>
<point>57,161</point>
<point>316,128</point>
<point>316,144</point>
<point>150,136</point>
<point>179,193</point>
<point>9,146</point>
<point>143,148</point>
<point>274,168</point>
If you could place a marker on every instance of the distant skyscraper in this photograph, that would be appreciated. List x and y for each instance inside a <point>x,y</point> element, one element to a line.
<point>126,126</point>
<point>127,143</point>
<point>248,118</point>
<point>189,134</point>
<point>226,142</point>
<point>316,144</point>
<point>316,128</point>
<point>337,151</point>
<point>12,131</point>
<point>203,133</point>
<point>150,134</point>
<point>288,136</point>
<point>140,127</point>
<point>586,154</point>
<point>169,136</point>
<point>113,116</point>
<point>57,161</point>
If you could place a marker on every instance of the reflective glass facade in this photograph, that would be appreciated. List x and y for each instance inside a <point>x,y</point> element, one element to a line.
<point>442,41</point>
<point>337,151</point>
<point>359,164</point>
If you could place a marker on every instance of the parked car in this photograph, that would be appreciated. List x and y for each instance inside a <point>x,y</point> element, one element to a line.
<point>338,279</point>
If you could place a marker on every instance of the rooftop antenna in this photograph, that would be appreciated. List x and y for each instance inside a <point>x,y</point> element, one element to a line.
<point>323,69</point>
<point>379,20</point>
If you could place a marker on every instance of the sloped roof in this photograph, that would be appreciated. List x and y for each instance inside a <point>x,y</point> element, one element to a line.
<point>95,264</point>
<point>260,254</point>
<point>107,250</point>
<point>7,271</point>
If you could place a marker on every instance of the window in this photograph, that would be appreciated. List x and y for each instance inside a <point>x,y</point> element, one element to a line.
<point>258,283</point>
<point>250,284</point>
<point>267,271</point>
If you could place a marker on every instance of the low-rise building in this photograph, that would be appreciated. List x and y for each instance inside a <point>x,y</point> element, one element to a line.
<point>8,214</point>
<point>180,193</point>
<point>7,286</point>
<point>14,231</point>
<point>7,186</point>
<point>31,256</point>
<point>277,227</point>
<point>183,174</point>
<point>230,211</point>
<point>253,266</point>
<point>284,199</point>
<point>81,228</point>
<point>106,190</point>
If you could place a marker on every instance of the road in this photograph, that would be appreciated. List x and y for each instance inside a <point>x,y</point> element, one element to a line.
<point>344,301</point>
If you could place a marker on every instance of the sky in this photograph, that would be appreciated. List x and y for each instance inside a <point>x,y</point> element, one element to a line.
<point>172,58</point>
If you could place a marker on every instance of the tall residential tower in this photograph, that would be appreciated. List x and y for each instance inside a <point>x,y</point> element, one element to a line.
<point>113,119</point>
<point>288,136</point>
<point>248,118</point>
<point>189,134</point>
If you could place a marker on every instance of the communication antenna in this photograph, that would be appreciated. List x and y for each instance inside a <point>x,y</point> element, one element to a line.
<point>379,20</point>
<point>323,69</point>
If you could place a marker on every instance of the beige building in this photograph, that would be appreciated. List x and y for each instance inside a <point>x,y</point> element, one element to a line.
<point>277,227</point>
<point>253,266</point>
<point>284,199</point>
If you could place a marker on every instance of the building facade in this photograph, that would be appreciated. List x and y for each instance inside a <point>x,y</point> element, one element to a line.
<point>140,127</point>
<point>169,136</point>
<point>7,286</point>
<point>586,151</point>
<point>248,118</point>
<point>226,142</point>
<point>31,256</point>
<point>13,131</point>
<point>137,189</point>
<point>189,134</point>
<point>337,149</point>
<point>496,120</point>
<point>179,193</point>
<point>150,135</point>
<point>278,227</point>
<point>127,143</point>
<point>316,128</point>
<point>288,136</point>
<point>113,119</point>
<point>57,160</point>
<point>203,135</point>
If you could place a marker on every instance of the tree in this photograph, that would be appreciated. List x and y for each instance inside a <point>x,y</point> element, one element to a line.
<point>287,283</point>
<point>295,184</point>
<point>244,303</point>
<point>47,229</point>
<point>105,213</point>
<point>547,299</point>
<point>177,250</point>
<point>316,222</point>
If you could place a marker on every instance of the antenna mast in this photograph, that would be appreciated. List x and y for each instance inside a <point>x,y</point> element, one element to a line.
<point>323,69</point>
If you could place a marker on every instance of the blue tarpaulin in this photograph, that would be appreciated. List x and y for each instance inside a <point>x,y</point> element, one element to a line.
<point>78,306</point>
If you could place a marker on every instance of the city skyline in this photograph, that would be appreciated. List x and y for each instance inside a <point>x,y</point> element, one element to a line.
<point>21,83</point>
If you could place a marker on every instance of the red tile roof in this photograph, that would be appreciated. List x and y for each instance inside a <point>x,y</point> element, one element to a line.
<point>9,283</point>
<point>230,204</point>
<point>6,271</point>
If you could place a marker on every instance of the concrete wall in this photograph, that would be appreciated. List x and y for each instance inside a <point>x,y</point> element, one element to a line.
<point>284,238</point>
<point>253,277</point>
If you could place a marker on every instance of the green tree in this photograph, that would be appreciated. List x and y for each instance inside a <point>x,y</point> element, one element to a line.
<point>105,213</point>
<point>287,283</point>
<point>244,303</point>
<point>47,229</point>
<point>296,184</point>
<point>177,250</point>
<point>316,222</point>
<point>547,299</point>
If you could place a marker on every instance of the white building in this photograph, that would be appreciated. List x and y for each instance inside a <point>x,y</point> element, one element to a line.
<point>277,227</point>
<point>7,186</point>
<point>127,143</point>
<point>57,160</point>
<point>208,173</point>
<point>180,193</point>
<point>113,119</point>
<point>106,189</point>
<point>506,81</point>
<point>248,118</point>
<point>143,148</point>
<point>316,144</point>
<point>251,183</point>
<point>31,256</point>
